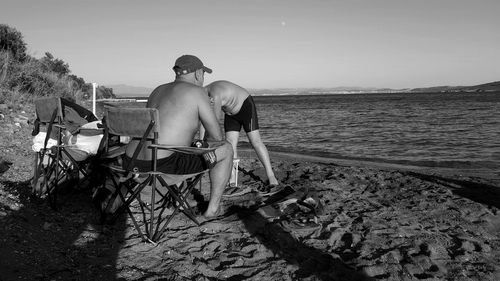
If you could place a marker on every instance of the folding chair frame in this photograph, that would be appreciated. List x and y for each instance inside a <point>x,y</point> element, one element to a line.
<point>50,168</point>
<point>172,190</point>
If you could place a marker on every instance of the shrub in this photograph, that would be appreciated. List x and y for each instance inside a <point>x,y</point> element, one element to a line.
<point>12,99</point>
<point>12,41</point>
<point>56,65</point>
<point>23,78</point>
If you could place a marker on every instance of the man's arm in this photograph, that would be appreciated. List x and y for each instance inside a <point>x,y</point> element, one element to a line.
<point>217,106</point>
<point>202,132</point>
<point>208,120</point>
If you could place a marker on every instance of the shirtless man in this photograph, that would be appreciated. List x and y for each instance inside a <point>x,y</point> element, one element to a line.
<point>182,105</point>
<point>239,109</point>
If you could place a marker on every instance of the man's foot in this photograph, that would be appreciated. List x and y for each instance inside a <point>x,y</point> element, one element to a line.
<point>273,181</point>
<point>210,216</point>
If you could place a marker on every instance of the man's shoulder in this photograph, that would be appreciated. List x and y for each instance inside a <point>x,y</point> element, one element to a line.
<point>161,88</point>
<point>178,87</point>
<point>181,92</point>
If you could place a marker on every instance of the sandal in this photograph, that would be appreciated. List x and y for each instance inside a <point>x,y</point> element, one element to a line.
<point>269,189</point>
<point>232,191</point>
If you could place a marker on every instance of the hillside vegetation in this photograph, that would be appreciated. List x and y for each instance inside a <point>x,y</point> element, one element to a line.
<point>24,77</point>
<point>487,87</point>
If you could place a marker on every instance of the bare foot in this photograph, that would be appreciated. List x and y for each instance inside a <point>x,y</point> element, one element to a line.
<point>273,181</point>
<point>211,214</point>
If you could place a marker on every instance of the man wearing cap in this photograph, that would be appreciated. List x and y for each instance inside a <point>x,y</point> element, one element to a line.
<point>182,105</point>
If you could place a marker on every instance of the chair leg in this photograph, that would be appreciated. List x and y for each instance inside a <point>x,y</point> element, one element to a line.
<point>126,205</point>
<point>155,220</point>
<point>180,196</point>
<point>36,174</point>
<point>52,184</point>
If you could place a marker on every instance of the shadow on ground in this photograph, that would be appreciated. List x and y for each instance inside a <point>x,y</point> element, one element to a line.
<point>483,193</point>
<point>312,262</point>
<point>39,243</point>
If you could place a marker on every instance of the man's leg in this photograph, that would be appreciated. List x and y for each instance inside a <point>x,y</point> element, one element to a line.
<point>219,176</point>
<point>263,154</point>
<point>232,137</point>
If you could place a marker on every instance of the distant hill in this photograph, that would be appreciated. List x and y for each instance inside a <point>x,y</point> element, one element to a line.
<point>132,91</point>
<point>317,91</point>
<point>488,87</point>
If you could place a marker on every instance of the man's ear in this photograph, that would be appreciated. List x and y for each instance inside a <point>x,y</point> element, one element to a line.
<point>198,74</point>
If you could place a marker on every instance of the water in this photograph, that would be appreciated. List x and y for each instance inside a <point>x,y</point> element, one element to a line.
<point>445,130</point>
<point>450,130</point>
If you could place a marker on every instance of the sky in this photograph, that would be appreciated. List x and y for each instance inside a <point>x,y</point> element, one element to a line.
<point>268,43</point>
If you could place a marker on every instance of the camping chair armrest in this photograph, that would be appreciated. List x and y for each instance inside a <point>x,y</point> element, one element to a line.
<point>114,152</point>
<point>183,149</point>
<point>90,131</point>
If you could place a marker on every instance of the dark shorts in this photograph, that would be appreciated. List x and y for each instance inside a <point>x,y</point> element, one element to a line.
<point>246,118</point>
<point>176,164</point>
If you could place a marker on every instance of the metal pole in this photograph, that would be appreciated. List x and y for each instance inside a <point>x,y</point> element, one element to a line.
<point>94,86</point>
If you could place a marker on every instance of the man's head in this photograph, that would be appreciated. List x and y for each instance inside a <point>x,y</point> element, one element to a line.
<point>188,63</point>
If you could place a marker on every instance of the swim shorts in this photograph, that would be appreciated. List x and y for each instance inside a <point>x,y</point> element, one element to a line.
<point>246,118</point>
<point>177,164</point>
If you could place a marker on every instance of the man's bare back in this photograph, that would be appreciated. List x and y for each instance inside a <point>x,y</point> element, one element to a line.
<point>227,96</point>
<point>181,106</point>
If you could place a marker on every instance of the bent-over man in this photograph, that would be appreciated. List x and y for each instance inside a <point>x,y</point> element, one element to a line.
<point>239,111</point>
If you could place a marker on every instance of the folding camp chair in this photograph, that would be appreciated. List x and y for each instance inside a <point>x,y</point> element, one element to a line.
<point>157,196</point>
<point>55,162</point>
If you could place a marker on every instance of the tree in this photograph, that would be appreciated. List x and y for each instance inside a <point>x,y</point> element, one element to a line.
<point>56,65</point>
<point>12,41</point>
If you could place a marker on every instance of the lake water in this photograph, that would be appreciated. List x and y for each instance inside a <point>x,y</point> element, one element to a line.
<point>448,130</point>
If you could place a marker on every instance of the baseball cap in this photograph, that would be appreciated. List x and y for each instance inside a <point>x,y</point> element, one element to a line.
<point>189,63</point>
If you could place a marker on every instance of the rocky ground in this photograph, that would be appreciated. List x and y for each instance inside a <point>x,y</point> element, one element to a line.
<point>370,224</point>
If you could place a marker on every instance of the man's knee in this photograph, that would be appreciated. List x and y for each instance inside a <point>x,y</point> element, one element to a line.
<point>225,151</point>
<point>257,142</point>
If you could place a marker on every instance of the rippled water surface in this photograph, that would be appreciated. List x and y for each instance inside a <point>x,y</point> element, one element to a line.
<point>455,130</point>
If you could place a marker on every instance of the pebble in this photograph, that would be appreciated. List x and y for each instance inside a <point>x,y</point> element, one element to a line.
<point>468,246</point>
<point>438,252</point>
<point>413,269</point>
<point>21,120</point>
<point>486,248</point>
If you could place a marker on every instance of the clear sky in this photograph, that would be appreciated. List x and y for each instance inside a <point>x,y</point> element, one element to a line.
<point>268,43</point>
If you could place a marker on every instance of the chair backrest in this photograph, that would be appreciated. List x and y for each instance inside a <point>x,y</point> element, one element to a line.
<point>132,122</point>
<point>45,107</point>
<point>66,112</point>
